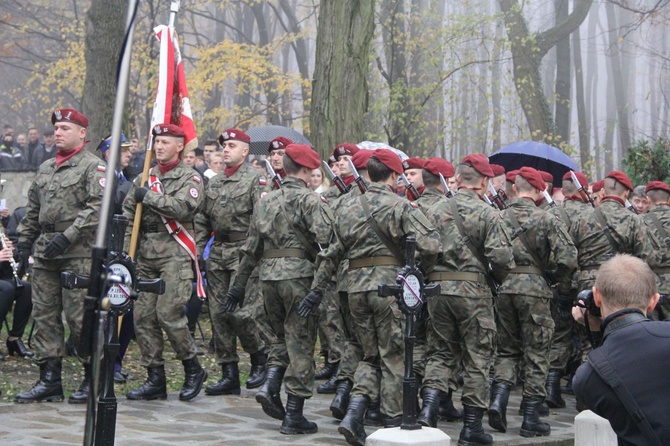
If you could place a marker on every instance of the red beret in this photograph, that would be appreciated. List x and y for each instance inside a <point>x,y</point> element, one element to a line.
<point>168,130</point>
<point>69,115</point>
<point>511,175</point>
<point>235,134</point>
<point>360,159</point>
<point>533,176</point>
<point>598,185</point>
<point>657,185</point>
<point>303,155</point>
<point>497,170</point>
<point>546,176</point>
<point>279,143</point>
<point>438,166</point>
<point>388,158</point>
<point>414,163</point>
<point>621,178</point>
<point>580,176</point>
<point>345,149</point>
<point>480,163</point>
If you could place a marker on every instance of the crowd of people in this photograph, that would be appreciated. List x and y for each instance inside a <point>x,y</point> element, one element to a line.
<point>285,259</point>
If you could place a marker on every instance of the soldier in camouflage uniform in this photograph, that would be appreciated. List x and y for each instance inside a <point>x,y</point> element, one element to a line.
<point>525,326</point>
<point>230,198</point>
<point>175,194</point>
<point>277,148</point>
<point>462,325</point>
<point>371,236</point>
<point>287,227</point>
<point>63,206</point>
<point>658,223</point>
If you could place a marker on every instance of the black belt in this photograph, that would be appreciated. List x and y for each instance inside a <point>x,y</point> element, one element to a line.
<point>232,236</point>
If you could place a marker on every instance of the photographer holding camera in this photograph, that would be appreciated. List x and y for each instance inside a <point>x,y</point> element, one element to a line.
<point>625,379</point>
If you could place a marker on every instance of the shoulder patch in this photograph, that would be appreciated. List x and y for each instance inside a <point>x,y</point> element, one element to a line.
<point>262,181</point>
<point>102,168</point>
<point>194,192</point>
<point>414,204</point>
<point>323,199</point>
<point>197,179</point>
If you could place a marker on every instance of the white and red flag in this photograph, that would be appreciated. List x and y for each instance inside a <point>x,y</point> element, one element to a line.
<point>172,104</point>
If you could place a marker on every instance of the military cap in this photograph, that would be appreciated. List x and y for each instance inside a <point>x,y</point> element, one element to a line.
<point>279,142</point>
<point>621,178</point>
<point>438,166</point>
<point>598,185</point>
<point>497,169</point>
<point>388,158</point>
<point>533,176</point>
<point>360,159</point>
<point>480,163</point>
<point>344,149</point>
<point>168,130</point>
<point>511,175</point>
<point>234,134</point>
<point>546,176</point>
<point>106,142</point>
<point>657,185</point>
<point>69,115</point>
<point>303,155</point>
<point>413,163</point>
<point>580,176</point>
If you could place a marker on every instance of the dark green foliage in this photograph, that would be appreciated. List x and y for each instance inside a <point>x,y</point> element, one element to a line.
<point>648,161</point>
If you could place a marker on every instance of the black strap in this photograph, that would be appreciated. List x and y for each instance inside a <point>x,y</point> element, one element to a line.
<point>607,230</point>
<point>602,365</point>
<point>311,252</point>
<point>375,227</point>
<point>659,227</point>
<point>564,215</point>
<point>532,250</point>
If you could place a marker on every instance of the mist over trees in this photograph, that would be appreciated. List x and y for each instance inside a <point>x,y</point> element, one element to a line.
<point>430,77</point>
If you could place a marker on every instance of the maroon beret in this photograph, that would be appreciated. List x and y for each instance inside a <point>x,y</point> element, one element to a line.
<point>279,143</point>
<point>69,115</point>
<point>546,176</point>
<point>438,166</point>
<point>511,175</point>
<point>414,163</point>
<point>168,130</point>
<point>345,149</point>
<point>657,185</point>
<point>388,158</point>
<point>235,134</point>
<point>598,185</point>
<point>303,155</point>
<point>360,159</point>
<point>580,176</point>
<point>480,163</point>
<point>621,178</point>
<point>533,176</point>
<point>497,170</point>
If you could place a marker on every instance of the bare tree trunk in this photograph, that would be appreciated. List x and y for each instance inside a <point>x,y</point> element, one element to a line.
<point>563,72</point>
<point>582,116</point>
<point>616,70</point>
<point>496,93</point>
<point>244,34</point>
<point>271,95</point>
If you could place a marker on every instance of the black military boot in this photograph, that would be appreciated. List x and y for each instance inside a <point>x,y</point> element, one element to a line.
<point>338,406</point>
<point>352,426</point>
<point>392,421</point>
<point>373,416</point>
<point>498,408</point>
<point>81,395</point>
<point>328,370</point>
<point>448,411</point>
<point>257,372</point>
<point>194,378</point>
<point>268,396</point>
<point>48,388</point>
<point>229,384</point>
<point>431,407</point>
<point>473,433</point>
<point>294,421</point>
<point>543,411</point>
<point>532,426</point>
<point>329,387</point>
<point>154,388</point>
<point>553,386</point>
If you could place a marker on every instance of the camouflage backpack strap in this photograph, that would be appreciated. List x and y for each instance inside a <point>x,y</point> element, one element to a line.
<point>309,248</point>
<point>607,229</point>
<point>564,215</point>
<point>375,227</point>
<point>659,227</point>
<point>521,233</point>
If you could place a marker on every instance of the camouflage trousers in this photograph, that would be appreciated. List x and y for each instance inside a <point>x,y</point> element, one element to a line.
<point>253,296</point>
<point>379,326</point>
<point>50,300</point>
<point>331,332</point>
<point>461,330</point>
<point>525,328</point>
<point>293,346</point>
<point>227,327</point>
<point>562,344</point>
<point>353,352</point>
<point>155,313</point>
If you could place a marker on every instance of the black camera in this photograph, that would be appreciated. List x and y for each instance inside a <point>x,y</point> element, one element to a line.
<point>585,300</point>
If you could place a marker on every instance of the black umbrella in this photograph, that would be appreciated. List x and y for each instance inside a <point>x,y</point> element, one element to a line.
<point>261,137</point>
<point>535,154</point>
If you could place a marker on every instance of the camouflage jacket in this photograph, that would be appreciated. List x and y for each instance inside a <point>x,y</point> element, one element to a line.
<point>270,229</point>
<point>354,238</point>
<point>182,198</point>
<point>662,254</point>
<point>549,239</point>
<point>429,199</point>
<point>574,210</point>
<point>65,200</point>
<point>227,209</point>
<point>485,228</point>
<point>340,207</point>
<point>593,246</point>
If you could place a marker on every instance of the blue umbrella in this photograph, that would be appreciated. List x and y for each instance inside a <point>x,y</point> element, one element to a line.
<point>535,154</point>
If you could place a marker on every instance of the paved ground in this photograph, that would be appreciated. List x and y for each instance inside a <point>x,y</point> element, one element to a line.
<point>236,420</point>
